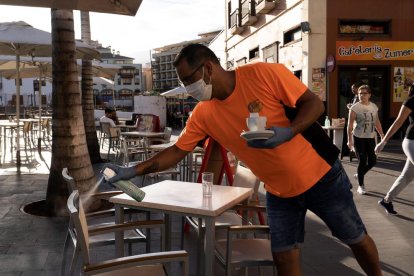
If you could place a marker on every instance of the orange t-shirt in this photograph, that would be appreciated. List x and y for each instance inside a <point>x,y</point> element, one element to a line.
<point>287,170</point>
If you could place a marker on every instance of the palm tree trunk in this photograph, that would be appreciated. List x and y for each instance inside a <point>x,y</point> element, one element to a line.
<point>69,147</point>
<point>87,95</point>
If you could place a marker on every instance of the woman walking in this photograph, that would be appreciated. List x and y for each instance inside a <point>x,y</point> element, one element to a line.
<point>407,173</point>
<point>363,120</point>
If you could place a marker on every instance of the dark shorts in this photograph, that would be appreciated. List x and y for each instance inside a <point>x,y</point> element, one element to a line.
<point>330,199</point>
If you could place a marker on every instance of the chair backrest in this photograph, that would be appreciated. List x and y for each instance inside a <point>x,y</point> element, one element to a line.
<point>27,127</point>
<point>147,122</point>
<point>45,122</point>
<point>167,134</point>
<point>70,181</point>
<point>244,177</point>
<point>114,132</point>
<point>78,218</point>
<point>105,128</point>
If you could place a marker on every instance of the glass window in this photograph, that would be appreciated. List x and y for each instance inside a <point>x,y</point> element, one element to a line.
<point>270,53</point>
<point>294,34</point>
<point>254,53</point>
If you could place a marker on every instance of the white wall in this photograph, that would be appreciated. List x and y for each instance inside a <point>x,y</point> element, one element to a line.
<point>26,90</point>
<point>217,45</point>
<point>317,37</point>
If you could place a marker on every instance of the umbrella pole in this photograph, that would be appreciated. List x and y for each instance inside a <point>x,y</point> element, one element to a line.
<point>113,95</point>
<point>39,137</point>
<point>18,161</point>
<point>182,113</point>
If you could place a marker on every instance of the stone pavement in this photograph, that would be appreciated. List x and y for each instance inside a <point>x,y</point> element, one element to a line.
<point>31,245</point>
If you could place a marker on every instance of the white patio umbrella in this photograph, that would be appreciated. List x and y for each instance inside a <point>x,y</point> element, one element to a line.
<point>29,67</point>
<point>41,67</point>
<point>21,39</point>
<point>124,7</point>
<point>176,92</point>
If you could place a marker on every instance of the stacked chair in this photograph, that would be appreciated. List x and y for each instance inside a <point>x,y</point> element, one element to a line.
<point>144,264</point>
<point>102,233</point>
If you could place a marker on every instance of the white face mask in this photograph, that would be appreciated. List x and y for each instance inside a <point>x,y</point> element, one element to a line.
<point>200,90</point>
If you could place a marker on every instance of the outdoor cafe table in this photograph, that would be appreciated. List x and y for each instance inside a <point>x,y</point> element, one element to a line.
<point>185,199</point>
<point>338,133</point>
<point>6,124</point>
<point>142,134</point>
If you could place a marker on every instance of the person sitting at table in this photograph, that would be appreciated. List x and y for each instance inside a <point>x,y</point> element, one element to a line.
<point>110,117</point>
<point>300,171</point>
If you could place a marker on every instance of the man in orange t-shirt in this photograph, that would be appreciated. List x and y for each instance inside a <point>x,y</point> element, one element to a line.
<point>300,169</point>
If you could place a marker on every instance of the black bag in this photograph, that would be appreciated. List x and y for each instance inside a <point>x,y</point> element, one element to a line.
<point>317,137</point>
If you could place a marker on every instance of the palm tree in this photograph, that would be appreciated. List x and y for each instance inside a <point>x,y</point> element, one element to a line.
<point>69,147</point>
<point>87,95</point>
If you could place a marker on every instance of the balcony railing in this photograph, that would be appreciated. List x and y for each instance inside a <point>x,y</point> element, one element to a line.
<point>248,12</point>
<point>235,22</point>
<point>265,6</point>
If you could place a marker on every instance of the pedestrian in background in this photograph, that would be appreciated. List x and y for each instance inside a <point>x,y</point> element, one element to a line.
<point>407,174</point>
<point>354,100</point>
<point>110,117</point>
<point>363,120</point>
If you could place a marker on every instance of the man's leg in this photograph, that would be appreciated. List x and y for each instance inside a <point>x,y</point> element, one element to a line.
<point>341,216</point>
<point>366,254</point>
<point>288,262</point>
<point>286,219</point>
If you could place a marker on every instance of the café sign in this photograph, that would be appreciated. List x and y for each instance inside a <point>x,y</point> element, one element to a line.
<point>375,50</point>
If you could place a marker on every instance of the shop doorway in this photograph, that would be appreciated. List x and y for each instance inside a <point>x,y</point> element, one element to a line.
<point>377,77</point>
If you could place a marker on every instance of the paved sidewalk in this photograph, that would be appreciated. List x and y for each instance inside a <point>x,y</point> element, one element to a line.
<point>32,245</point>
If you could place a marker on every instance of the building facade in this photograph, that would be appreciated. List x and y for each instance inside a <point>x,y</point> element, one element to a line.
<point>163,71</point>
<point>127,83</point>
<point>370,43</point>
<point>329,45</point>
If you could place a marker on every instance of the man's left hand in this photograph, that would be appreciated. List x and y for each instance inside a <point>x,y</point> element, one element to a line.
<point>281,135</point>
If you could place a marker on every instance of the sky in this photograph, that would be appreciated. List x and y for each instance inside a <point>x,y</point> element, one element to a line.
<point>156,24</point>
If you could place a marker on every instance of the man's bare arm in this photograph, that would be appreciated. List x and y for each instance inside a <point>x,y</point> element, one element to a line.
<point>310,108</point>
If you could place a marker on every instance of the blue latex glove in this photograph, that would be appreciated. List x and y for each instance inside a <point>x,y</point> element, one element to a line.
<point>282,134</point>
<point>122,173</point>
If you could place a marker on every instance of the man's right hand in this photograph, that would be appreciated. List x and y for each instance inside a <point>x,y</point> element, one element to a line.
<point>122,173</point>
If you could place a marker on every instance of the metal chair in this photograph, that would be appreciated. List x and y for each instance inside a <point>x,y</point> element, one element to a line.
<point>132,235</point>
<point>104,132</point>
<point>243,177</point>
<point>131,148</point>
<point>245,246</point>
<point>145,264</point>
<point>165,139</point>
<point>112,134</point>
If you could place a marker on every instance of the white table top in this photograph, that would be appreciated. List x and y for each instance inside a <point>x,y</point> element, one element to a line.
<point>332,127</point>
<point>7,123</point>
<point>29,120</point>
<point>187,198</point>
<point>142,134</point>
<point>159,147</point>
